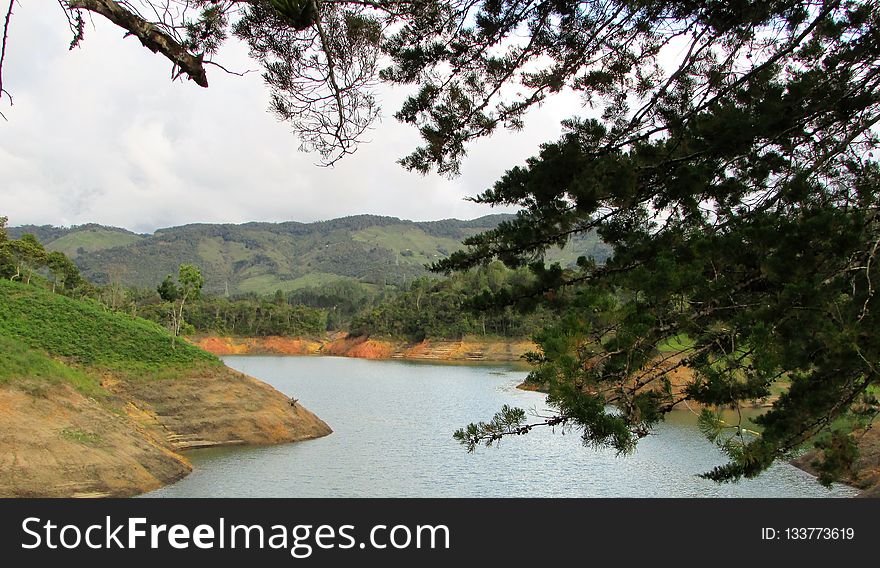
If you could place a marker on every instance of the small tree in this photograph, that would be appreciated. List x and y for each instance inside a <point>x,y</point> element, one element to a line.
<point>28,255</point>
<point>64,271</point>
<point>188,287</point>
<point>6,264</point>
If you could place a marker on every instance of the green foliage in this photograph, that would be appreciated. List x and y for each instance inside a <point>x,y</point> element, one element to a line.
<point>191,281</point>
<point>507,421</point>
<point>64,271</point>
<point>259,258</point>
<point>188,287</point>
<point>441,309</point>
<point>740,197</point>
<point>88,334</point>
<point>450,309</point>
<point>5,250</point>
<point>27,255</point>
<point>189,284</point>
<point>168,290</point>
<point>26,259</point>
<point>77,239</point>
<point>839,452</point>
<point>254,317</point>
<point>19,363</point>
<point>340,300</point>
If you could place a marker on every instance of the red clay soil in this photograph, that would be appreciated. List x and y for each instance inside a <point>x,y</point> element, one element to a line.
<point>341,345</point>
<point>360,347</point>
<point>273,345</point>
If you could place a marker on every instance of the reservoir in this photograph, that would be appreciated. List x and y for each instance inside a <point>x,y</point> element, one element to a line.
<point>393,423</point>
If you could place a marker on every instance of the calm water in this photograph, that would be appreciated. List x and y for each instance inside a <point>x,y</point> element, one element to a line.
<point>393,424</point>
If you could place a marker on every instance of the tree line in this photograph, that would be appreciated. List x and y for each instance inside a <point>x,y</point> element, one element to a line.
<point>428,307</point>
<point>24,258</point>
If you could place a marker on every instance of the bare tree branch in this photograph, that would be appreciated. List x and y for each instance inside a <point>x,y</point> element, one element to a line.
<point>3,53</point>
<point>150,35</point>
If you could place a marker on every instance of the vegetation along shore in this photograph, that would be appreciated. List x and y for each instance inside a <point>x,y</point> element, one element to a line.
<point>103,386</point>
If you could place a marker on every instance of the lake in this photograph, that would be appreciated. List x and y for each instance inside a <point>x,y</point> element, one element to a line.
<point>393,424</point>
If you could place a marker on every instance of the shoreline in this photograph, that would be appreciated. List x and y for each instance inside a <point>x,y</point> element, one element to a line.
<point>473,350</point>
<point>56,442</point>
<point>465,350</point>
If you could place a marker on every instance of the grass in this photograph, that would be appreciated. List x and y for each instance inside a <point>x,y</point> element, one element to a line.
<point>424,247</point>
<point>680,342</point>
<point>81,437</point>
<point>269,283</point>
<point>20,364</point>
<point>88,334</point>
<point>217,251</point>
<point>91,240</point>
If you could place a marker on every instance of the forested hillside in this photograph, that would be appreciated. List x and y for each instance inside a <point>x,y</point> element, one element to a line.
<point>262,258</point>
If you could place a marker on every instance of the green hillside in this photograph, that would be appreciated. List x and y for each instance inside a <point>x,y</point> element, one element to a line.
<point>83,333</point>
<point>76,240</point>
<point>91,240</point>
<point>20,362</point>
<point>261,258</point>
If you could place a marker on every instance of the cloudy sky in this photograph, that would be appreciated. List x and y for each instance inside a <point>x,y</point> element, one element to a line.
<point>101,134</point>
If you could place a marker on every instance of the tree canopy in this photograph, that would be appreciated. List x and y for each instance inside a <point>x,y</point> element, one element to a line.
<point>481,64</point>
<point>188,287</point>
<point>741,199</point>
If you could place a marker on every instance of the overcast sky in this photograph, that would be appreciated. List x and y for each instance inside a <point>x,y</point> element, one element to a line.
<point>101,134</point>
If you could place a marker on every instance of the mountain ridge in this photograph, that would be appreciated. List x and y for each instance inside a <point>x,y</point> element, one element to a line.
<point>262,257</point>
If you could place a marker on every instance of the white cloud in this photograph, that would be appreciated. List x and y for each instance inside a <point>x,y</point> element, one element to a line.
<point>101,134</point>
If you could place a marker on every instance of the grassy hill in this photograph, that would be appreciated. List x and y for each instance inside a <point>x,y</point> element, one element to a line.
<point>85,333</point>
<point>77,240</point>
<point>20,362</point>
<point>83,412</point>
<point>264,257</point>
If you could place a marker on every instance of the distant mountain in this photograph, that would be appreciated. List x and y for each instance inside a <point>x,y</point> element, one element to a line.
<point>265,257</point>
<point>79,239</point>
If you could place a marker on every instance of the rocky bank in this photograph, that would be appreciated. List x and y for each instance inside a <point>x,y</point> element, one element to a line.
<point>56,442</point>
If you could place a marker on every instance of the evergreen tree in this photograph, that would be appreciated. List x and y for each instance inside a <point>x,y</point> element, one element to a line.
<point>740,197</point>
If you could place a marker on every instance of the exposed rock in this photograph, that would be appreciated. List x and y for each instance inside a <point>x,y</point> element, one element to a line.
<point>55,442</point>
<point>476,349</point>
<point>59,443</point>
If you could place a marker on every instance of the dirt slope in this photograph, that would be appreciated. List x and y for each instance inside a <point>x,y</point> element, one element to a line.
<point>62,444</point>
<point>55,442</point>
